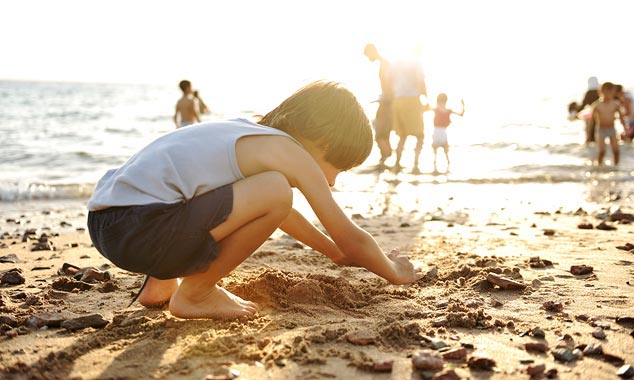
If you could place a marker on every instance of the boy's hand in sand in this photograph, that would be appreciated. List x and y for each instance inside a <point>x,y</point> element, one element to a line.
<point>404,270</point>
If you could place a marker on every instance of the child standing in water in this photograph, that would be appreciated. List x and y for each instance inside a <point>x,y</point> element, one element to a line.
<point>196,202</point>
<point>442,120</point>
<point>604,114</point>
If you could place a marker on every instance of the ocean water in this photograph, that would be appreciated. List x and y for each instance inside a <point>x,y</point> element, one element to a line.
<point>59,138</point>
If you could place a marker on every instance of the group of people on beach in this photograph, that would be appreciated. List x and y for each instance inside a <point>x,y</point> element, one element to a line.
<point>601,106</point>
<point>401,110</point>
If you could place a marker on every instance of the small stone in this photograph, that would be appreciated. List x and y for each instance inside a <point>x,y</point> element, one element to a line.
<point>280,362</point>
<point>538,332</point>
<point>593,349</point>
<point>579,270</point>
<point>92,320</point>
<point>536,346</point>
<point>605,227</point>
<point>383,366</point>
<point>481,362</point>
<point>438,344</point>
<point>496,303</point>
<point>536,369</point>
<point>427,361</point>
<point>585,226</point>
<point>599,333</point>
<point>12,277</point>
<point>555,307</point>
<point>458,354</point>
<point>361,338</point>
<point>563,355</point>
<point>504,283</point>
<point>626,247</point>
<point>8,319</point>
<point>45,319</point>
<point>626,371</point>
<point>549,232</point>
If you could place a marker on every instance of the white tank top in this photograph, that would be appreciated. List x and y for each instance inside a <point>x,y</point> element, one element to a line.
<point>178,165</point>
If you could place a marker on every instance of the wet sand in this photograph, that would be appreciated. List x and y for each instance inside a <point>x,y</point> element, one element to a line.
<point>318,320</point>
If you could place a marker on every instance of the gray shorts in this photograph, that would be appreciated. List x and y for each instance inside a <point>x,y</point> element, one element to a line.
<point>606,132</point>
<point>162,240</point>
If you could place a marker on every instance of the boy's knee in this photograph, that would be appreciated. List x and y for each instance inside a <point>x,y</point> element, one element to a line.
<point>279,191</point>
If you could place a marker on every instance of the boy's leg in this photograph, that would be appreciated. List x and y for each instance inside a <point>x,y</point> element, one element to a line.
<point>601,144</point>
<point>417,149</point>
<point>435,157</point>
<point>446,148</point>
<point>615,149</point>
<point>260,205</point>
<point>399,150</point>
<point>157,292</point>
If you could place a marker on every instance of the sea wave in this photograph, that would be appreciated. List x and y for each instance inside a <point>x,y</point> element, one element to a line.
<point>15,192</point>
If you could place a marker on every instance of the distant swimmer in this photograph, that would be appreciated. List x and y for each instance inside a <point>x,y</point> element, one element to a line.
<point>186,107</point>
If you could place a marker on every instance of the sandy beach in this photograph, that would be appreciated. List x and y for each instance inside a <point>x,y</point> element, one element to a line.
<point>318,320</point>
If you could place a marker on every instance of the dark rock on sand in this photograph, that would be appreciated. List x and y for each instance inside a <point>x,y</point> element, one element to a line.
<point>626,371</point>
<point>12,277</point>
<point>552,306</point>
<point>481,362</point>
<point>593,349</point>
<point>92,320</point>
<point>10,258</point>
<point>625,321</point>
<point>603,226</point>
<point>627,247</point>
<point>458,354</point>
<point>68,284</point>
<point>585,226</point>
<point>536,346</point>
<point>579,270</point>
<point>549,232</point>
<point>599,333</point>
<point>45,319</point>
<point>564,355</point>
<point>383,366</point>
<point>536,370</point>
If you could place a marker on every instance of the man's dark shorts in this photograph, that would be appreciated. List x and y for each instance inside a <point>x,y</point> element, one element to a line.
<point>162,240</point>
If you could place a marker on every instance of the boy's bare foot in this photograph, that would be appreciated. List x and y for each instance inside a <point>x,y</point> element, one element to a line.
<point>157,292</point>
<point>217,303</point>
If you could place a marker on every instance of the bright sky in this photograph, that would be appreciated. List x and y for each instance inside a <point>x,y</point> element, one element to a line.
<point>266,48</point>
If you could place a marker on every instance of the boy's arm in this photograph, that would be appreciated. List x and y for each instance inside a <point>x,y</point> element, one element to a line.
<point>356,244</point>
<point>461,113</point>
<point>301,229</point>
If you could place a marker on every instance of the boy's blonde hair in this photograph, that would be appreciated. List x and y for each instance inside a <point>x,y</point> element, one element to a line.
<point>329,115</point>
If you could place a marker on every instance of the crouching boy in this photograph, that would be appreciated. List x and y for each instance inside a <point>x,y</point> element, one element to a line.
<point>196,202</point>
